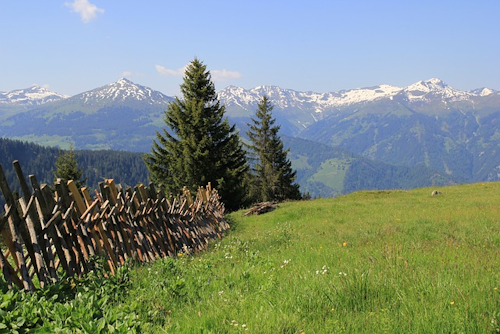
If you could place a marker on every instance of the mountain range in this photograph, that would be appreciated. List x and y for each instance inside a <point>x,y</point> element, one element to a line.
<point>425,125</point>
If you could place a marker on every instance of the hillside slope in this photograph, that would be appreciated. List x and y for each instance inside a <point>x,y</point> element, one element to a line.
<point>328,171</point>
<point>124,167</point>
<point>387,261</point>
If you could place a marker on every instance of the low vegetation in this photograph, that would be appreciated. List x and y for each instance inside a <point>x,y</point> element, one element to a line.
<point>95,303</point>
<point>379,261</point>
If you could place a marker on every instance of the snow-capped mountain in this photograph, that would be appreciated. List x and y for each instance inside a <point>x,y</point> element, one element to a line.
<point>287,98</point>
<point>121,115</point>
<point>122,90</point>
<point>32,96</point>
<point>483,91</point>
<point>425,91</point>
<point>422,91</point>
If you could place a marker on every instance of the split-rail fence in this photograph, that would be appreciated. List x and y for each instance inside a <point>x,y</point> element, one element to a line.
<point>52,233</point>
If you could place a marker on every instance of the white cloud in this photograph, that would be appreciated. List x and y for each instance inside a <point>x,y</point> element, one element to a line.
<point>87,11</point>
<point>219,75</point>
<point>168,72</point>
<point>129,74</point>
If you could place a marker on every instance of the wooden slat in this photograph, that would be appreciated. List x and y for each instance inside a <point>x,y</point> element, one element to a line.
<point>86,196</point>
<point>13,222</point>
<point>77,198</point>
<point>40,270</point>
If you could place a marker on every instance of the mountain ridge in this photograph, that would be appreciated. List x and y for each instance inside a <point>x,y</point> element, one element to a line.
<point>37,95</point>
<point>426,124</point>
<point>236,95</point>
<point>32,96</point>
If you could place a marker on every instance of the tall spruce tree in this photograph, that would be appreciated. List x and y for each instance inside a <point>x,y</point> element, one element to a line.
<point>273,176</point>
<point>199,145</point>
<point>67,168</point>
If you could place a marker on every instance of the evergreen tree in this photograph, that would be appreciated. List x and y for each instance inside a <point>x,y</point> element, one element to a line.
<point>67,168</point>
<point>273,175</point>
<point>199,145</point>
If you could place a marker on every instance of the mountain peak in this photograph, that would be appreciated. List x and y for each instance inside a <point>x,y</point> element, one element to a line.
<point>32,96</point>
<point>124,81</point>
<point>433,84</point>
<point>485,91</point>
<point>424,90</point>
<point>436,82</point>
<point>122,90</point>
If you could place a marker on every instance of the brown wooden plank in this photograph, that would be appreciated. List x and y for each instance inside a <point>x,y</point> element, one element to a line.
<point>75,195</point>
<point>72,239</point>
<point>19,221</point>
<point>86,196</point>
<point>13,221</point>
<point>122,246</point>
<point>48,197</point>
<point>8,272</point>
<point>112,190</point>
<point>107,246</point>
<point>70,252</point>
<point>89,209</point>
<point>41,271</point>
<point>62,194</point>
<point>88,239</point>
<point>143,191</point>
<point>59,243</point>
<point>22,181</point>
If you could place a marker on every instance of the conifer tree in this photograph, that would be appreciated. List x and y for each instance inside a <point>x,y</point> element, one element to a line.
<point>199,145</point>
<point>67,168</point>
<point>273,175</point>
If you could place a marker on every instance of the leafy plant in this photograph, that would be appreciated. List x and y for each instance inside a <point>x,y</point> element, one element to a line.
<point>91,304</point>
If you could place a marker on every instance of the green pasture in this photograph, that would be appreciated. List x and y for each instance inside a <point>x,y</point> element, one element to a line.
<point>369,262</point>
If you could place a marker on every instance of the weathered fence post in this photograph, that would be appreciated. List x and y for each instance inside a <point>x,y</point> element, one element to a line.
<point>14,222</point>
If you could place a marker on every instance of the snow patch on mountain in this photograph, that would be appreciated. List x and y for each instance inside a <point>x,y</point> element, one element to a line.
<point>121,91</point>
<point>421,92</point>
<point>426,90</point>
<point>367,94</point>
<point>287,98</point>
<point>32,96</point>
<point>483,91</point>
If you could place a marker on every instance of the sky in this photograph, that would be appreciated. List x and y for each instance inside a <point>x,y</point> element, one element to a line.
<point>72,46</point>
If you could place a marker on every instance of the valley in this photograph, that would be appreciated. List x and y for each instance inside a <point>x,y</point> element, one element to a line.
<point>425,134</point>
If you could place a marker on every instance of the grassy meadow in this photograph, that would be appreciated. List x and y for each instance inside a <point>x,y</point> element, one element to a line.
<point>369,262</point>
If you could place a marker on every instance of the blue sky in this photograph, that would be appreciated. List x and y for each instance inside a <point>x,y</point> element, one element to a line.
<point>71,46</point>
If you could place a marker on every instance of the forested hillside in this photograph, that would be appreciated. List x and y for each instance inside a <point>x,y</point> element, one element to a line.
<point>124,167</point>
<point>331,171</point>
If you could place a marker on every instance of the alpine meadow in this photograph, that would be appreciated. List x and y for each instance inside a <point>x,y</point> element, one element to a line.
<point>368,262</point>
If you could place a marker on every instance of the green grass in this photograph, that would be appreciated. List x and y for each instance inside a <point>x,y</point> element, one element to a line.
<point>64,142</point>
<point>369,262</point>
<point>332,173</point>
<point>301,163</point>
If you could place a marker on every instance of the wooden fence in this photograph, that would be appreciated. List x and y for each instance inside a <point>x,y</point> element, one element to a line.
<point>49,234</point>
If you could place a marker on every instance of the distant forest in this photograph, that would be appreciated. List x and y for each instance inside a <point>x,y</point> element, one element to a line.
<point>126,168</point>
